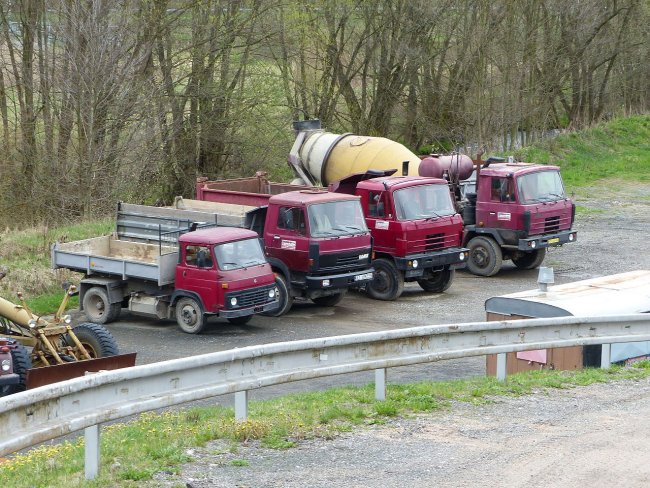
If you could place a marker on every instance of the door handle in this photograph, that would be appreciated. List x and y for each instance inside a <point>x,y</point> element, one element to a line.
<point>184,274</point>
<point>493,213</point>
<point>277,238</point>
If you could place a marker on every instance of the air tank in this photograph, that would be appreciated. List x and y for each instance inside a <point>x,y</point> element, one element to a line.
<point>329,157</point>
<point>455,165</point>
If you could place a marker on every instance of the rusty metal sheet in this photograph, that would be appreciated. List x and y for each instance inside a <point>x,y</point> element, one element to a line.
<point>51,374</point>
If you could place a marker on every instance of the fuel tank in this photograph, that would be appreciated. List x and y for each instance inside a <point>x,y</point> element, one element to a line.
<point>457,165</point>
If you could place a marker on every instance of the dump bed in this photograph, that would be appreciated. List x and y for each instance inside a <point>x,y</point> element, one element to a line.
<point>112,256</point>
<point>254,191</point>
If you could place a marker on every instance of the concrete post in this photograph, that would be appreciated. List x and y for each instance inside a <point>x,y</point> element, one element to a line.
<point>380,384</point>
<point>241,405</point>
<point>605,356</point>
<point>91,451</point>
<point>501,366</point>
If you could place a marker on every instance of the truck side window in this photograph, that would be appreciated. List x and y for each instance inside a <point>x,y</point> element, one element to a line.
<point>291,218</point>
<point>198,256</point>
<point>503,190</point>
<point>375,204</point>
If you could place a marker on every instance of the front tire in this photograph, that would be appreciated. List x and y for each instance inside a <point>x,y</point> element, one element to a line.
<point>98,308</point>
<point>329,300</point>
<point>284,298</point>
<point>96,339</point>
<point>387,281</point>
<point>189,316</point>
<point>441,281</point>
<point>21,363</point>
<point>529,260</point>
<point>485,256</point>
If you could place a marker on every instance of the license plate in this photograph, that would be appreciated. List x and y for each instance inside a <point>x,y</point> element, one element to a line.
<point>554,240</point>
<point>366,276</point>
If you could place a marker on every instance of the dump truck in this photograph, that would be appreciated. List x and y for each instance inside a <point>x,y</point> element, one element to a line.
<point>517,211</point>
<point>415,228</point>
<point>317,242</point>
<point>37,350</point>
<point>165,267</point>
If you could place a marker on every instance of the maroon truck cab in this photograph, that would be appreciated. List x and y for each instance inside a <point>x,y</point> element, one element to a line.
<point>518,211</point>
<point>416,230</point>
<point>222,271</point>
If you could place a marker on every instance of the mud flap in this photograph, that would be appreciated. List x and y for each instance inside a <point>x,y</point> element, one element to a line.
<point>51,374</point>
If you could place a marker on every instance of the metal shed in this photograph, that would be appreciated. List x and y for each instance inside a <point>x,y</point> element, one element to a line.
<point>617,294</point>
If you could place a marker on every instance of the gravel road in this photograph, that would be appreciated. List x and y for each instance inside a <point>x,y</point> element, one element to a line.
<point>589,436</point>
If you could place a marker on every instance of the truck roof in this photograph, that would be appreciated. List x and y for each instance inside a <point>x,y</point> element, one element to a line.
<point>504,169</point>
<point>307,197</point>
<point>397,182</point>
<point>216,235</point>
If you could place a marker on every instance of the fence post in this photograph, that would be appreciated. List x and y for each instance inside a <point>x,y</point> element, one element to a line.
<point>241,405</point>
<point>605,356</point>
<point>91,451</point>
<point>502,366</point>
<point>380,384</point>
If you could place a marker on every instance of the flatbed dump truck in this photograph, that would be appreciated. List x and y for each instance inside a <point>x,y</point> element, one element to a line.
<point>416,230</point>
<point>158,266</point>
<point>317,242</point>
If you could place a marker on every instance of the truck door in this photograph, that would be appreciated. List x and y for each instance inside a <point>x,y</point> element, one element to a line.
<point>287,238</point>
<point>197,272</point>
<point>500,207</point>
<point>378,216</point>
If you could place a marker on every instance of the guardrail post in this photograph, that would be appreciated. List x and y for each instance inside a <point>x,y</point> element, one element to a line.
<point>380,384</point>
<point>502,362</point>
<point>606,356</point>
<point>241,405</point>
<point>91,451</point>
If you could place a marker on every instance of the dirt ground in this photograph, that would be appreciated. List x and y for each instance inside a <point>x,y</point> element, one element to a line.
<point>590,436</point>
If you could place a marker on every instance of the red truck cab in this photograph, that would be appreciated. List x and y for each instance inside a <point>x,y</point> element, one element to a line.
<point>416,230</point>
<point>317,243</point>
<point>518,211</point>
<point>222,272</point>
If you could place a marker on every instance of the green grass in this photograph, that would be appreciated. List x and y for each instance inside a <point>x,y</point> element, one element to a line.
<point>616,149</point>
<point>25,254</point>
<point>133,452</point>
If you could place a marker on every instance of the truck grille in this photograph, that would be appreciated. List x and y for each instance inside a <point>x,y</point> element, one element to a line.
<point>348,260</point>
<point>250,298</point>
<point>552,224</point>
<point>434,242</point>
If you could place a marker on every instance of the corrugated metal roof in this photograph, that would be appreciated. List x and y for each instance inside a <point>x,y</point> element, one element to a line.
<point>607,295</point>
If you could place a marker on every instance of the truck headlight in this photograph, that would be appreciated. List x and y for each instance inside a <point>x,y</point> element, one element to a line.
<point>272,293</point>
<point>326,282</point>
<point>66,319</point>
<point>533,244</point>
<point>32,323</point>
<point>571,237</point>
<point>6,365</point>
<point>414,263</point>
<point>233,301</point>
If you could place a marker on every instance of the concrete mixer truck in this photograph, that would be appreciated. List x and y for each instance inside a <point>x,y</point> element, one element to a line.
<point>516,211</point>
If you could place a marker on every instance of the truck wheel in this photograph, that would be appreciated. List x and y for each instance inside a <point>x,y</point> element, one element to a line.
<point>329,300</point>
<point>387,281</point>
<point>21,363</point>
<point>240,320</point>
<point>529,260</point>
<point>96,339</point>
<point>97,307</point>
<point>440,281</point>
<point>284,298</point>
<point>190,316</point>
<point>485,257</point>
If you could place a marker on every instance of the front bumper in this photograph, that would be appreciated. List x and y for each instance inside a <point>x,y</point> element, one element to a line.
<point>243,312</point>
<point>339,281</point>
<point>450,257</point>
<point>9,379</point>
<point>547,240</point>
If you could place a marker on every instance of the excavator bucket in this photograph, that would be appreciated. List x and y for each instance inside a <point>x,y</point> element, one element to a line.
<point>51,374</point>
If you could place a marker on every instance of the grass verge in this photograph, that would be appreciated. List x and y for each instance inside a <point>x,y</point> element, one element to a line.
<point>133,452</point>
<point>619,149</point>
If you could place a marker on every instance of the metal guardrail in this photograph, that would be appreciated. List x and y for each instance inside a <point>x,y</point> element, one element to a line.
<point>45,413</point>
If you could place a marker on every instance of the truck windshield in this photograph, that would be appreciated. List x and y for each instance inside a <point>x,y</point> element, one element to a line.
<point>543,186</point>
<point>336,219</point>
<point>423,202</point>
<point>239,254</point>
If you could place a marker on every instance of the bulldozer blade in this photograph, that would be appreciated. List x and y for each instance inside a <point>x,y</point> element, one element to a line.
<point>60,372</point>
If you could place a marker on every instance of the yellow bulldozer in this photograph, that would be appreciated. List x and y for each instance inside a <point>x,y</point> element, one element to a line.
<point>35,350</point>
